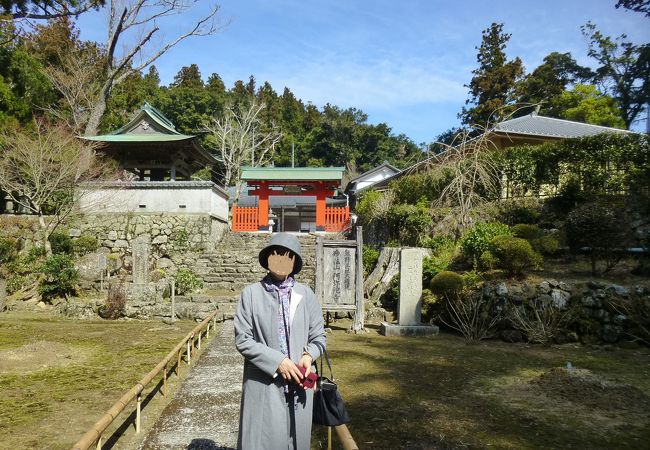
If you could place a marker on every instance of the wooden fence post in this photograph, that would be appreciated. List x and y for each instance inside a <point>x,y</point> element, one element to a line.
<point>137,414</point>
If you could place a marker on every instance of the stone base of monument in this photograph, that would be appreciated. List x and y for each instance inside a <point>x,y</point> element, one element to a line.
<point>393,329</point>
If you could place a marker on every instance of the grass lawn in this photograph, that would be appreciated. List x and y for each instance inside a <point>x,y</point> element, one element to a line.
<point>441,393</point>
<point>59,376</point>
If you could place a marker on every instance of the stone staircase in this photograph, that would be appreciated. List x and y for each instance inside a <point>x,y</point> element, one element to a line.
<point>234,262</point>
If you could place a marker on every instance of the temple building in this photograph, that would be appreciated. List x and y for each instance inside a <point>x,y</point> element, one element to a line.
<point>156,164</point>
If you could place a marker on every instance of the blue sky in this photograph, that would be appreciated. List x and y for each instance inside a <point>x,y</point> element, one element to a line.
<point>401,62</point>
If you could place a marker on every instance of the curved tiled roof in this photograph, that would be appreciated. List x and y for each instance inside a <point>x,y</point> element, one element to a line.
<point>534,125</point>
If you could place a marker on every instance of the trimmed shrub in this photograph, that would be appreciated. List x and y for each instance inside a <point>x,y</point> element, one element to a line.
<point>477,239</point>
<point>8,249</point>
<point>59,276</point>
<point>598,228</point>
<point>487,261</point>
<point>409,223</point>
<point>526,231</point>
<point>545,245</point>
<point>115,303</point>
<point>514,254</point>
<point>85,244</point>
<point>60,242</point>
<point>187,281</point>
<point>444,254</point>
<point>446,284</point>
<point>370,258</point>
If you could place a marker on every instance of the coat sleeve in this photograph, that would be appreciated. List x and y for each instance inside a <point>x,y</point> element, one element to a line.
<point>316,328</point>
<point>264,357</point>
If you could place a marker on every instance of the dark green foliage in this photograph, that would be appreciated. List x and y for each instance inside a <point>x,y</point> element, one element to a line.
<point>59,276</point>
<point>85,244</point>
<point>493,83</point>
<point>115,303</point>
<point>409,224</point>
<point>8,249</point>
<point>427,185</point>
<point>526,231</point>
<point>577,168</point>
<point>477,239</point>
<point>599,229</point>
<point>446,283</point>
<point>187,282</point>
<point>514,255</point>
<point>514,211</point>
<point>545,245</point>
<point>444,251</point>
<point>370,258</point>
<point>61,242</point>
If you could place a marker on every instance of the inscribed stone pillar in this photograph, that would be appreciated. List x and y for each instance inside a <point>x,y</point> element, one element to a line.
<point>140,249</point>
<point>410,287</point>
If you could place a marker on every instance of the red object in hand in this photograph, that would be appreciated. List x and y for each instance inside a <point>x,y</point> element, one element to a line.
<point>310,380</point>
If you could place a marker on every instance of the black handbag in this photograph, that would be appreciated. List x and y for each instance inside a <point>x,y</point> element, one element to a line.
<point>329,409</point>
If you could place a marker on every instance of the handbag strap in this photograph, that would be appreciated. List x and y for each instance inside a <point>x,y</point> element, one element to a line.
<point>323,352</point>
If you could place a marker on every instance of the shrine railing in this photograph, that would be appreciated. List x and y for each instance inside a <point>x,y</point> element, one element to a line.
<point>244,219</point>
<point>337,219</point>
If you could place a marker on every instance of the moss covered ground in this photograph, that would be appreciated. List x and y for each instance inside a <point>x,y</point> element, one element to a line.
<point>58,376</point>
<point>441,393</point>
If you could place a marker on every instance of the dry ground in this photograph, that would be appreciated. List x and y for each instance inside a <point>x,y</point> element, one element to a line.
<point>441,393</point>
<point>59,376</point>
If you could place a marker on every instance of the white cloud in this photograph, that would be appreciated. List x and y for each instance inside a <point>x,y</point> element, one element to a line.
<point>384,84</point>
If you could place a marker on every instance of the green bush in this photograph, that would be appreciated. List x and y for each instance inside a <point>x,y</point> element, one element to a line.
<point>181,238</point>
<point>409,223</point>
<point>368,208</point>
<point>437,243</point>
<point>519,211</point>
<point>487,261</point>
<point>443,257</point>
<point>187,281</point>
<point>477,239</point>
<point>15,283</point>
<point>599,228</point>
<point>526,231</point>
<point>545,245</point>
<point>60,242</point>
<point>59,276</point>
<point>514,255</point>
<point>8,249</point>
<point>370,258</point>
<point>446,284</point>
<point>85,244</point>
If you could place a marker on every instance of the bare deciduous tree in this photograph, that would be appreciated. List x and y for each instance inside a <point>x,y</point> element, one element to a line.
<point>134,41</point>
<point>41,170</point>
<point>238,138</point>
<point>474,176</point>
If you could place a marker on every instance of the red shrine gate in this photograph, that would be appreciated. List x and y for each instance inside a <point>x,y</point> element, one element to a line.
<point>320,183</point>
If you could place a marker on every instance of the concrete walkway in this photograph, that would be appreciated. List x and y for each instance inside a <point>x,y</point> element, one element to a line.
<point>204,414</point>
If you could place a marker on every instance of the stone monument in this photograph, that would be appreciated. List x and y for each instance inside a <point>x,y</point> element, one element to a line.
<point>409,308</point>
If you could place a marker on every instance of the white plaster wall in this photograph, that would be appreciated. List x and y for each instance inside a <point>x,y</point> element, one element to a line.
<point>155,198</point>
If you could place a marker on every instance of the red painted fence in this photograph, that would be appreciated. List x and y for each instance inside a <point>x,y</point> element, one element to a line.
<point>337,219</point>
<point>244,219</point>
<point>247,219</point>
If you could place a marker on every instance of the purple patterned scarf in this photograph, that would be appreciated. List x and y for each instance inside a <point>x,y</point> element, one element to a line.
<point>283,288</point>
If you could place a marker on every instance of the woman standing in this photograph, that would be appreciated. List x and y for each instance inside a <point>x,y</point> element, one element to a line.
<point>278,330</point>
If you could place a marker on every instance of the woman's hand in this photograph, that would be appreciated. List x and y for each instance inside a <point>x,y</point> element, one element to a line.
<point>306,362</point>
<point>290,371</point>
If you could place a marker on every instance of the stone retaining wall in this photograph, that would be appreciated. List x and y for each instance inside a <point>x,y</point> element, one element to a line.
<point>597,315</point>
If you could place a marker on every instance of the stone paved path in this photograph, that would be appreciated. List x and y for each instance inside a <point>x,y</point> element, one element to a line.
<point>204,413</point>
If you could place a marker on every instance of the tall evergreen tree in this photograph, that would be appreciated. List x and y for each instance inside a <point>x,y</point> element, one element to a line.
<point>623,71</point>
<point>492,87</point>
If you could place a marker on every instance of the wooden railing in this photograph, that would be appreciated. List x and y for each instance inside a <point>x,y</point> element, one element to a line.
<point>244,219</point>
<point>337,219</point>
<point>189,345</point>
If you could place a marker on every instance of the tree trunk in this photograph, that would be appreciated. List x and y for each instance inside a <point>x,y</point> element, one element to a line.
<point>46,242</point>
<point>92,127</point>
<point>386,269</point>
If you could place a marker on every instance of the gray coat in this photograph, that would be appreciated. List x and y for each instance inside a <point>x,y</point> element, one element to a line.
<point>266,418</point>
